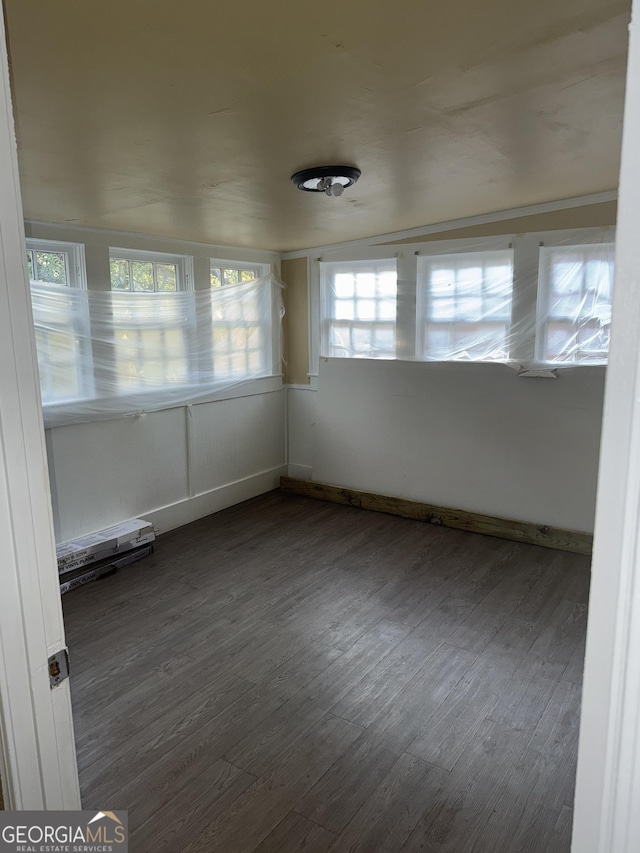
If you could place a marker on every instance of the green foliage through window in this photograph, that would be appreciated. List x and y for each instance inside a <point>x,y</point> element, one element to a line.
<point>143,276</point>
<point>224,276</point>
<point>47,267</point>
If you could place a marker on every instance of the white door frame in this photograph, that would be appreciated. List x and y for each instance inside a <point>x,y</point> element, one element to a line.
<point>607,810</point>
<point>37,755</point>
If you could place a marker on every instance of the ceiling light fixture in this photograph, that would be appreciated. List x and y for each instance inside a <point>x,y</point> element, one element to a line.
<point>332,180</point>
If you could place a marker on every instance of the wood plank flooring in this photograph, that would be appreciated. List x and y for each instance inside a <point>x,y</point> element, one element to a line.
<point>289,675</point>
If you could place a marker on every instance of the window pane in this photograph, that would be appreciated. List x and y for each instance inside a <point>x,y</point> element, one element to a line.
<point>142,275</point>
<point>469,281</point>
<point>471,293</point>
<point>480,340</point>
<point>30,264</point>
<point>498,280</point>
<point>247,275</point>
<point>167,277</point>
<point>387,309</point>
<point>559,340</point>
<point>387,285</point>
<point>383,339</point>
<point>361,340</point>
<point>365,285</point>
<point>567,277</point>
<point>574,308</point>
<point>469,308</point>
<point>360,309</point>
<point>120,274</point>
<point>497,309</point>
<point>344,286</point>
<point>442,282</point>
<point>443,309</point>
<point>344,309</point>
<point>216,280</point>
<point>64,352</point>
<point>231,277</point>
<point>437,341</point>
<point>340,340</point>
<point>256,361</point>
<point>599,279</point>
<point>366,309</point>
<point>566,306</point>
<point>51,267</point>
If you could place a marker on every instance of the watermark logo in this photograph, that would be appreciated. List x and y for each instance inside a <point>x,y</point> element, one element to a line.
<point>64,832</point>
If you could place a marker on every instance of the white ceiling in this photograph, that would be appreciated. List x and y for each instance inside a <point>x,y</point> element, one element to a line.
<point>187,119</point>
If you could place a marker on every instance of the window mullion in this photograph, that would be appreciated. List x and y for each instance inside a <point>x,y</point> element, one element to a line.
<point>524,306</point>
<point>406,313</point>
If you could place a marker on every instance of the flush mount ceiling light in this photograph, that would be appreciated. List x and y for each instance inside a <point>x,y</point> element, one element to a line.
<point>332,180</point>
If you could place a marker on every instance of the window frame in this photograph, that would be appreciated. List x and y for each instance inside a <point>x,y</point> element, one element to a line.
<point>261,270</point>
<point>329,266</point>
<point>76,263</point>
<point>524,314</point>
<point>424,297</point>
<point>545,270</point>
<point>76,280</point>
<point>184,267</point>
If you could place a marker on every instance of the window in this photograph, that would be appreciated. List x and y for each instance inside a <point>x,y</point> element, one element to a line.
<point>359,309</point>
<point>151,328</point>
<point>240,338</point>
<point>61,321</point>
<point>55,262</point>
<point>574,303</point>
<point>230,272</point>
<point>464,306</point>
<point>537,298</point>
<point>151,339</point>
<point>148,272</point>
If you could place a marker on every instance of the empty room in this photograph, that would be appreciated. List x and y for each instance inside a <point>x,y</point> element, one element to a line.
<point>307,346</point>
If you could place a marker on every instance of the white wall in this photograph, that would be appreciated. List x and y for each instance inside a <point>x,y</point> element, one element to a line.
<point>469,436</point>
<point>172,466</point>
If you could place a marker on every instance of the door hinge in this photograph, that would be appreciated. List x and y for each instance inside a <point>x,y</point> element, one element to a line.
<point>58,667</point>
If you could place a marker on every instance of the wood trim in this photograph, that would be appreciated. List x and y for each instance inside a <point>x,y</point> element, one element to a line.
<point>37,752</point>
<point>607,818</point>
<point>474,522</point>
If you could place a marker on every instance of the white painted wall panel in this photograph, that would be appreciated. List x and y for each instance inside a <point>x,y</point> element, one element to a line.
<point>470,436</point>
<point>156,466</point>
<point>301,418</point>
<point>235,439</point>
<point>107,471</point>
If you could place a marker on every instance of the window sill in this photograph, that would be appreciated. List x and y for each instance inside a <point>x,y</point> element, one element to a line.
<point>132,406</point>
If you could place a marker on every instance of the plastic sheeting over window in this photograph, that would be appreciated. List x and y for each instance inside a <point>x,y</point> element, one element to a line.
<point>513,300</point>
<point>360,309</point>
<point>464,306</point>
<point>105,354</point>
<point>574,303</point>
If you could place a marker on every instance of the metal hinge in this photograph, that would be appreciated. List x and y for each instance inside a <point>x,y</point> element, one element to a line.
<point>58,667</point>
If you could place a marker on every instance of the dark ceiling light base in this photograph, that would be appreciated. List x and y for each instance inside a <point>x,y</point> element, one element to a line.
<point>332,180</point>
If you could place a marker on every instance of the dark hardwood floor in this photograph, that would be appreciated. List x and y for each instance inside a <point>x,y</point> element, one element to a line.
<point>289,675</point>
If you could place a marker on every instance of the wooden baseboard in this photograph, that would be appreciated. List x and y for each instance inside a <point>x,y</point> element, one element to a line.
<point>474,522</point>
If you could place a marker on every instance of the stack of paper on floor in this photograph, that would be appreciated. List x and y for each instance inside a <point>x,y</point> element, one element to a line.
<point>90,557</point>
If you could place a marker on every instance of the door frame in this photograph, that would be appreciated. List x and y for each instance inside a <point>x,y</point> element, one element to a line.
<point>607,818</point>
<point>37,754</point>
